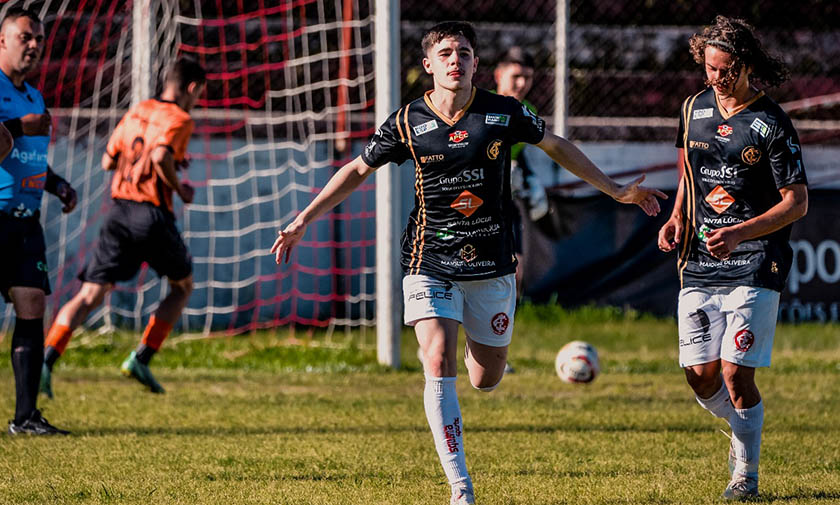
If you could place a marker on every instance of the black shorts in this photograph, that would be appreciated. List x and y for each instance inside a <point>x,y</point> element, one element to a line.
<point>23,258</point>
<point>133,233</point>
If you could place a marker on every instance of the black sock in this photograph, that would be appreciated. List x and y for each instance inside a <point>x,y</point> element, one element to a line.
<point>27,358</point>
<point>51,356</point>
<point>144,354</point>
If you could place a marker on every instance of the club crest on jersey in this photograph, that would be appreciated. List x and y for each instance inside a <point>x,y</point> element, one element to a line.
<point>724,130</point>
<point>702,113</point>
<point>744,340</point>
<point>468,253</point>
<point>497,119</point>
<point>458,136</point>
<point>467,203</point>
<point>719,199</point>
<point>750,155</point>
<point>425,127</point>
<point>493,149</point>
<point>760,126</point>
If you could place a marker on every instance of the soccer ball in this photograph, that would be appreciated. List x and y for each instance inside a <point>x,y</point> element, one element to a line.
<point>577,362</point>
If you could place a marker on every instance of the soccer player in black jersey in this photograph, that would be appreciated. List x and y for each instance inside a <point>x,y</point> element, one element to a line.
<point>743,184</point>
<point>457,250</point>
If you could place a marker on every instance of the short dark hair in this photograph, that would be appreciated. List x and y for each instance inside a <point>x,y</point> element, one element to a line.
<point>449,29</point>
<point>517,55</point>
<point>183,71</point>
<point>19,12</point>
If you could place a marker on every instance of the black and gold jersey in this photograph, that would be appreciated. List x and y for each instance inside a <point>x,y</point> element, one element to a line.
<point>461,224</point>
<point>735,165</point>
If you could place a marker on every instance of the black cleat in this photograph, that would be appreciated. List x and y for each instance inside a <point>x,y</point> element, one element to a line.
<point>35,425</point>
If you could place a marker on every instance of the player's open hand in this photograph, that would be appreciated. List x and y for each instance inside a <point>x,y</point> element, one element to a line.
<point>722,242</point>
<point>187,192</point>
<point>286,241</point>
<point>36,124</point>
<point>65,192</point>
<point>670,233</point>
<point>644,197</point>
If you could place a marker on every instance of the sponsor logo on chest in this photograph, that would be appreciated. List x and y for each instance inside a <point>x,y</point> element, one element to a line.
<point>456,139</point>
<point>425,127</point>
<point>702,113</point>
<point>497,119</point>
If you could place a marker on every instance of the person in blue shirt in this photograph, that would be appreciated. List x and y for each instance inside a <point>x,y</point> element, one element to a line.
<point>24,176</point>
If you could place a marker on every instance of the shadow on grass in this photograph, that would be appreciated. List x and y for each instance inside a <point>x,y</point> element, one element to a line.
<point>803,494</point>
<point>370,429</point>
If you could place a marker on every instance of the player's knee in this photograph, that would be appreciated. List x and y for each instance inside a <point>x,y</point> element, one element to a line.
<point>485,383</point>
<point>92,294</point>
<point>738,378</point>
<point>704,381</point>
<point>183,286</point>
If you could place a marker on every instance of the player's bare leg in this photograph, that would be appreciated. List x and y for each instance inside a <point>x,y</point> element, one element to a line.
<point>485,364</point>
<point>70,317</point>
<point>160,324</point>
<point>438,339</point>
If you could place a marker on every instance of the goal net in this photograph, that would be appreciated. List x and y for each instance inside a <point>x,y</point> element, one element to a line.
<point>289,100</point>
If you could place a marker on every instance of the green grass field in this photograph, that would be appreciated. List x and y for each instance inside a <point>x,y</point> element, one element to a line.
<point>251,419</point>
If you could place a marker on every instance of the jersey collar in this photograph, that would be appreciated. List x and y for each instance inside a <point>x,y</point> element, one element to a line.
<point>736,110</point>
<point>441,115</point>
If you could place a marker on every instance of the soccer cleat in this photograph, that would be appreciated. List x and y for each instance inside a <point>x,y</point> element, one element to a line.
<point>462,496</point>
<point>508,368</point>
<point>35,425</point>
<point>741,488</point>
<point>46,381</point>
<point>133,368</point>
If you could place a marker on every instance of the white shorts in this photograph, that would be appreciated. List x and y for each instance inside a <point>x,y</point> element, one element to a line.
<point>736,324</point>
<point>484,307</point>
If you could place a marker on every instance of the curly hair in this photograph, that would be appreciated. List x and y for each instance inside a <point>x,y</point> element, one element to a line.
<point>736,37</point>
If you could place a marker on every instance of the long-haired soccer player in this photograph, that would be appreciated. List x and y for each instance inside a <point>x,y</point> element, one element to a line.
<point>144,151</point>
<point>743,184</point>
<point>457,251</point>
<point>24,176</point>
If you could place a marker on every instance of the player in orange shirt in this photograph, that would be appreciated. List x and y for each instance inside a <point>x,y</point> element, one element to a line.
<point>144,151</point>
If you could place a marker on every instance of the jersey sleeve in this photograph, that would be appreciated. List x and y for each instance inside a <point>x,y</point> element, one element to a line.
<point>785,155</point>
<point>525,126</point>
<point>679,142</point>
<point>177,137</point>
<point>387,145</point>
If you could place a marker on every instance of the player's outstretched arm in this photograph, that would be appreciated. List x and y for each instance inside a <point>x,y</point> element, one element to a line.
<point>6,142</point>
<point>570,157</point>
<point>339,187</point>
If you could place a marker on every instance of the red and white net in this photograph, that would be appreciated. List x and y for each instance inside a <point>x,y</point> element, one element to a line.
<point>289,100</point>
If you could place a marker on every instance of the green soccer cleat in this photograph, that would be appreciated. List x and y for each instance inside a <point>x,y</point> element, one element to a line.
<point>133,368</point>
<point>46,381</point>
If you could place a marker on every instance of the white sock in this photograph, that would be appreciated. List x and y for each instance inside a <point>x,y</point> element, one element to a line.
<point>746,438</point>
<point>444,416</point>
<point>719,404</point>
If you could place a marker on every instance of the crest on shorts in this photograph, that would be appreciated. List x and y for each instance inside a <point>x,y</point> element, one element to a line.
<point>744,340</point>
<point>500,323</point>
